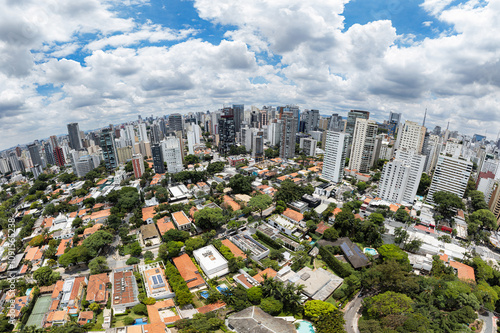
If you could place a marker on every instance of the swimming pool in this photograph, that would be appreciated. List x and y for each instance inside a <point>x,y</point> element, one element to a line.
<point>370,251</point>
<point>28,291</point>
<point>305,327</point>
<point>140,321</point>
<point>204,294</point>
<point>222,288</point>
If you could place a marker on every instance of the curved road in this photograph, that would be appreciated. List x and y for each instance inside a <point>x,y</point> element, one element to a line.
<point>351,315</point>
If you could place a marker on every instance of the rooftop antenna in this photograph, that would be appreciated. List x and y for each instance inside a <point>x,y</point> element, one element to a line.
<point>425,115</point>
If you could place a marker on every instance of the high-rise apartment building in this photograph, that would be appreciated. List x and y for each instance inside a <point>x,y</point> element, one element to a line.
<point>363,145</point>
<point>142,131</point>
<point>335,155</point>
<point>311,120</point>
<point>171,150</point>
<point>258,146</point>
<point>107,145</point>
<point>401,177</point>
<point>75,140</point>
<point>351,124</point>
<point>288,134</point>
<point>4,166</point>
<point>411,136</point>
<point>308,146</point>
<point>336,123</point>
<point>59,156</point>
<point>138,165</point>
<point>49,153</point>
<point>451,175</point>
<point>274,132</point>
<point>494,202</point>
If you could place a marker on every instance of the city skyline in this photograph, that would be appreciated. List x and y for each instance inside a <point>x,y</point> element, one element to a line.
<point>97,63</point>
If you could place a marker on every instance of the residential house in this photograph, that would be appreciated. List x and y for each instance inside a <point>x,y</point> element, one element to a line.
<point>189,271</point>
<point>149,235</point>
<point>97,291</point>
<point>182,221</point>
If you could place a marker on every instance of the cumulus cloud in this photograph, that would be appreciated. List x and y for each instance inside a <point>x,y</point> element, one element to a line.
<point>299,50</point>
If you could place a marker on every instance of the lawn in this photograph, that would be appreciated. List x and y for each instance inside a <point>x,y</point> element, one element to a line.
<point>119,319</point>
<point>98,323</point>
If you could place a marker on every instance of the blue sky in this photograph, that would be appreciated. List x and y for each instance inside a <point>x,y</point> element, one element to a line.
<point>96,61</point>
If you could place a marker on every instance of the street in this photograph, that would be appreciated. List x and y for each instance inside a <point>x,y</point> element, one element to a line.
<point>351,315</point>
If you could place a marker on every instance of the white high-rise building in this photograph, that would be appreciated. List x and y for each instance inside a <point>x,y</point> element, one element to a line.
<point>335,155</point>
<point>171,149</point>
<point>129,135</point>
<point>143,134</point>
<point>363,145</point>
<point>401,177</point>
<point>274,132</point>
<point>451,175</point>
<point>4,165</point>
<point>191,142</point>
<point>410,136</point>
<point>308,146</point>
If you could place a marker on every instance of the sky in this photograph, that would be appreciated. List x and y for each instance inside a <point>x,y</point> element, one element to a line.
<point>98,62</point>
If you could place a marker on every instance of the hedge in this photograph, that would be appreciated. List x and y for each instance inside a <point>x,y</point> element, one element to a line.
<point>268,240</point>
<point>178,285</point>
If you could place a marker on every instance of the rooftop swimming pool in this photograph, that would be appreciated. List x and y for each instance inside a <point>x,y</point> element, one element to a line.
<point>305,327</point>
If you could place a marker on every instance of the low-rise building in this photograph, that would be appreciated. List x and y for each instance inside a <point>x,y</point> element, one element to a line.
<point>125,290</point>
<point>97,289</point>
<point>247,243</point>
<point>189,271</point>
<point>181,220</point>
<point>211,261</point>
<point>155,281</point>
<point>149,235</point>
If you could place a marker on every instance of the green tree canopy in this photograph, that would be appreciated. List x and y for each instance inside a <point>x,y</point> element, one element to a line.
<point>447,203</point>
<point>271,305</point>
<point>389,303</point>
<point>97,241</point>
<point>317,308</point>
<point>98,265</point>
<point>209,218</point>
<point>45,276</point>
<point>241,184</point>
<point>260,202</point>
<point>485,218</point>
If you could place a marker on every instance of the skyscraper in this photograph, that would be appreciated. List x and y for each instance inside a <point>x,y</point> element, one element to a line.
<point>451,175</point>
<point>175,122</point>
<point>107,145</point>
<point>227,131</point>
<point>157,153</point>
<point>311,120</point>
<point>49,153</point>
<point>335,155</point>
<point>239,115</point>
<point>59,156</point>
<point>75,140</point>
<point>336,123</point>
<point>288,134</point>
<point>171,150</point>
<point>394,120</point>
<point>35,154</point>
<point>363,145</point>
<point>351,124</point>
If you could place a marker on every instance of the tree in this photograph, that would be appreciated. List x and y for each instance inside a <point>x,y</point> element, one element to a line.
<point>254,294</point>
<point>149,255</point>
<point>175,235</point>
<point>447,203</point>
<point>393,252</point>
<point>174,248</point>
<point>98,265</point>
<point>413,245</point>
<point>193,244</point>
<point>94,307</point>
<point>128,321</point>
<point>260,202</point>
<point>316,308</point>
<point>388,303</point>
<point>477,200</point>
<point>161,194</point>
<point>135,249</point>
<point>215,167</point>
<point>401,215</point>
<point>132,261</point>
<point>209,218</point>
<point>241,184</point>
<point>423,186</point>
<point>140,309</point>
<point>376,218</point>
<point>331,234</point>
<point>401,235</point>
<point>271,305</point>
<point>361,187</point>
<point>94,243</point>
<point>485,218</point>
<point>45,276</point>
<point>331,323</point>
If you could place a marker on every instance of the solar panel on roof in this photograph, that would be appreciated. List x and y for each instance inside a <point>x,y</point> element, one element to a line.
<point>154,279</point>
<point>346,249</point>
<point>359,253</point>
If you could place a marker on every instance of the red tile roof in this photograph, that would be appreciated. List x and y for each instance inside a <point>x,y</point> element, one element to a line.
<point>321,228</point>
<point>291,214</point>
<point>188,271</point>
<point>234,249</point>
<point>211,307</point>
<point>269,272</point>
<point>96,289</point>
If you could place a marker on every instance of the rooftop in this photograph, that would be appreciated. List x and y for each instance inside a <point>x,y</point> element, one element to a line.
<point>255,320</point>
<point>293,215</point>
<point>188,271</point>
<point>180,218</point>
<point>234,249</point>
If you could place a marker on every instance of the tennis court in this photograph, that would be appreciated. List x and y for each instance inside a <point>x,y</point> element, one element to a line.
<point>41,307</point>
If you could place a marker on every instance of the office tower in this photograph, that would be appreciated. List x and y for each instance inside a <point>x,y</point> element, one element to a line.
<point>254,119</point>
<point>53,141</point>
<point>163,127</point>
<point>437,130</point>
<point>14,162</point>
<point>394,117</point>
<point>18,151</point>
<point>124,154</point>
<point>288,134</point>
<point>311,120</point>
<point>451,175</point>
<point>108,149</point>
<point>84,165</point>
<point>308,146</point>
<point>363,145</point>
<point>411,136</point>
<point>156,134</point>
<point>35,154</point>
<point>227,133</point>
<point>263,118</point>
<point>478,138</point>
<point>246,137</point>
<point>171,150</point>
<point>75,140</point>
<point>258,145</point>
<point>157,152</point>
<point>336,123</point>
<point>494,202</point>
<point>142,131</point>
<point>239,114</point>
<point>351,124</point>
<point>335,155</point>
<point>138,165</point>
<point>49,153</point>
<point>401,177</point>
<point>4,166</point>
<point>175,122</point>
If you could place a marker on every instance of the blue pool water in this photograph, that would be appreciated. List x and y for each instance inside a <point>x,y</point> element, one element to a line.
<point>140,321</point>
<point>222,288</point>
<point>312,243</point>
<point>370,251</point>
<point>204,294</point>
<point>305,327</point>
<point>28,291</point>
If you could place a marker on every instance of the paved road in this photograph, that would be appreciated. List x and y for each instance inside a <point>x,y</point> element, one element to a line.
<point>351,315</point>
<point>487,318</point>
